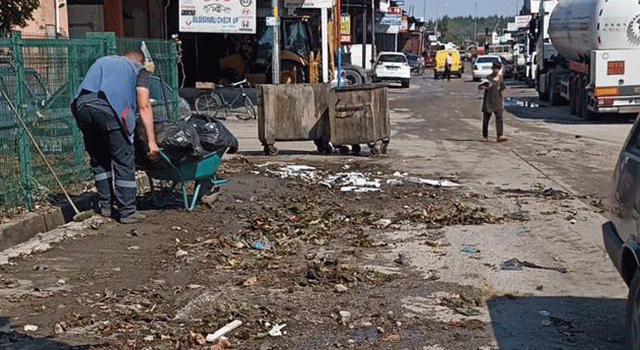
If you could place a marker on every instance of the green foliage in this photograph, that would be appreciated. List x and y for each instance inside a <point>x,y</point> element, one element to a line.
<point>457,29</point>
<point>16,13</point>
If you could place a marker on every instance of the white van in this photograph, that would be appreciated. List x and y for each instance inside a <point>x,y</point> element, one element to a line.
<point>502,50</point>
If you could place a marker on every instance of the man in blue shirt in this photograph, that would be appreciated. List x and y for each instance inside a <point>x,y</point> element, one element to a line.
<point>114,88</point>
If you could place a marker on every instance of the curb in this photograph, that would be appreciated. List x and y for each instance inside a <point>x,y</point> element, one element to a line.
<point>34,223</point>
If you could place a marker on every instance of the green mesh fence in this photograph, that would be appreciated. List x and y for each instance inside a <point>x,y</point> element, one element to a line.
<point>40,77</point>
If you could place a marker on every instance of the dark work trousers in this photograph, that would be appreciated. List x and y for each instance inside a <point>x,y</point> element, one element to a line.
<point>112,159</point>
<point>447,72</point>
<point>485,123</point>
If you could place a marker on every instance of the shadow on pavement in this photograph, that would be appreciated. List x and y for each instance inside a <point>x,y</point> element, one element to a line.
<point>558,322</point>
<point>12,340</point>
<point>532,108</point>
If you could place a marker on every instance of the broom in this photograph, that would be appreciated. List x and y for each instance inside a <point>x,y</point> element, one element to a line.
<point>79,216</point>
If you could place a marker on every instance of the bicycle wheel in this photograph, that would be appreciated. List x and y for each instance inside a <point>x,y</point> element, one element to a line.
<point>249,110</point>
<point>210,105</point>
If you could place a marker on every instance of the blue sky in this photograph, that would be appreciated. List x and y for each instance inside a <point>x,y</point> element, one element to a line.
<point>452,8</point>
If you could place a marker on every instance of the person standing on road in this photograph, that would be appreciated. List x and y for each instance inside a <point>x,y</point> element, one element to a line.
<point>447,67</point>
<point>114,88</point>
<point>493,102</point>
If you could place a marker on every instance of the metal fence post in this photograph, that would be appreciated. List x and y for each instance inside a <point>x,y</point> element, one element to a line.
<point>173,77</point>
<point>24,147</point>
<point>74,76</point>
<point>108,38</point>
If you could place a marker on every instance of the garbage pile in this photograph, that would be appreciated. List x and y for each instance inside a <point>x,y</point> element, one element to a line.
<point>185,140</point>
<point>353,181</point>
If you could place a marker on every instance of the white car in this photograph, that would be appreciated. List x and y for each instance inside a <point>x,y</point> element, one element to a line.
<point>482,66</point>
<point>392,66</point>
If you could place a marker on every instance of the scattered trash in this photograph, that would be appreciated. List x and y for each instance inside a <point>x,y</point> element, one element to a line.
<point>522,215</point>
<point>30,328</point>
<point>180,253</point>
<point>61,282</point>
<point>341,288</point>
<point>435,183</point>
<point>470,250</point>
<point>394,182</point>
<point>516,265</point>
<point>572,221</point>
<point>149,338</point>
<point>57,329</point>
<point>222,331</point>
<point>304,172</point>
<point>223,343</point>
<point>544,313</point>
<point>404,258</point>
<point>546,323</point>
<point>345,316</point>
<point>382,223</point>
<point>276,331</point>
<point>195,338</point>
<point>261,244</point>
<point>250,282</point>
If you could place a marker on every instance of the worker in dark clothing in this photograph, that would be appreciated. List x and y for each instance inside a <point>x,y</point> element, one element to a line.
<point>114,88</point>
<point>493,102</point>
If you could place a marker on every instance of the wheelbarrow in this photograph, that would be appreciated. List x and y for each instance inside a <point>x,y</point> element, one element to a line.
<point>202,171</point>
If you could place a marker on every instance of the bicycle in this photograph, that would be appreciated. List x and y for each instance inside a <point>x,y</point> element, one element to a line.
<point>217,106</point>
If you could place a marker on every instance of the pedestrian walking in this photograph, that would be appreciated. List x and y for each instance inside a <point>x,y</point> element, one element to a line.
<point>493,102</point>
<point>447,67</point>
<point>114,88</point>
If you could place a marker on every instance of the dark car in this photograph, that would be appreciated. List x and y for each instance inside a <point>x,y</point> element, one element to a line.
<point>429,58</point>
<point>416,62</point>
<point>507,68</point>
<point>621,234</point>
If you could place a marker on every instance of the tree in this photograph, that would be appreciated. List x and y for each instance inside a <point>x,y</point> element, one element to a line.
<point>443,26</point>
<point>16,13</point>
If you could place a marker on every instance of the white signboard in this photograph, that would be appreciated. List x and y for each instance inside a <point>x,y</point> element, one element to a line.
<point>511,27</point>
<point>309,3</point>
<point>523,21</point>
<point>218,16</point>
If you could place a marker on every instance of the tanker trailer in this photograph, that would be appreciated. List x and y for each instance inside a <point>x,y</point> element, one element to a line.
<point>598,63</point>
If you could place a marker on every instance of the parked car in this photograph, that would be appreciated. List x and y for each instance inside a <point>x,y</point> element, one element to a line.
<point>429,58</point>
<point>482,66</point>
<point>504,50</point>
<point>456,63</point>
<point>392,66</point>
<point>621,235</point>
<point>416,62</point>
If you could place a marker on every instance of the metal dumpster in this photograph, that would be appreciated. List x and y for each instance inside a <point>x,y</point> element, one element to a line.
<point>359,114</point>
<point>297,112</point>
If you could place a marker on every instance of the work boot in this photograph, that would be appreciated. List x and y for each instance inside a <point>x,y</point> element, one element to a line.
<point>106,212</point>
<point>501,139</point>
<point>133,218</point>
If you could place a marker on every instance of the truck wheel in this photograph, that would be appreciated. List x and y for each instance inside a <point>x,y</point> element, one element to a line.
<point>579,99</point>
<point>352,77</point>
<point>632,319</point>
<point>572,96</point>
<point>544,96</point>
<point>554,96</point>
<point>405,83</point>
<point>586,113</point>
<point>291,73</point>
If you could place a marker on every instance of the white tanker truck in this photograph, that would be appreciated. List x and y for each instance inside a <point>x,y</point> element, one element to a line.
<point>597,66</point>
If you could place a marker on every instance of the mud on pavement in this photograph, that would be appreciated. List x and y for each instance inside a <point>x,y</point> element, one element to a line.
<point>297,249</point>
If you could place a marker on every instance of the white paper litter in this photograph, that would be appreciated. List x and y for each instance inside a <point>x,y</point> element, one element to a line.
<point>436,183</point>
<point>276,331</point>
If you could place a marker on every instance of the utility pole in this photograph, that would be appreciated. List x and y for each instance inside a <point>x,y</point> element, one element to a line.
<point>275,55</point>
<point>373,32</point>
<point>475,26</point>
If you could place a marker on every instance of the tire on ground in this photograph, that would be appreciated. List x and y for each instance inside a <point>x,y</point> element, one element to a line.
<point>353,77</point>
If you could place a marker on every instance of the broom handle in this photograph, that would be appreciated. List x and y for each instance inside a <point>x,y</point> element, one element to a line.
<point>35,143</point>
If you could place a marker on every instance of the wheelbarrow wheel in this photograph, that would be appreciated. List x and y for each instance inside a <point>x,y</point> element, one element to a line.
<point>270,150</point>
<point>374,151</point>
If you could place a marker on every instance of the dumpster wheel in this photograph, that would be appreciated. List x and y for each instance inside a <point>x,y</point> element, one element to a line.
<point>270,150</point>
<point>383,148</point>
<point>355,149</point>
<point>343,149</point>
<point>374,151</point>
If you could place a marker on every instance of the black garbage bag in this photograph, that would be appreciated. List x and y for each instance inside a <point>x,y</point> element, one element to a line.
<point>213,134</point>
<point>178,140</point>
